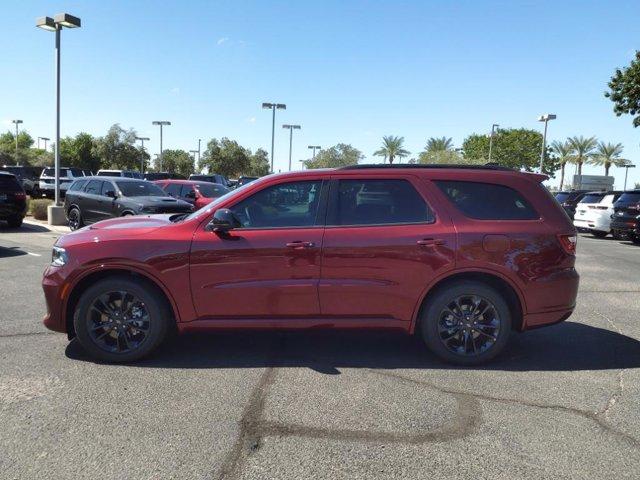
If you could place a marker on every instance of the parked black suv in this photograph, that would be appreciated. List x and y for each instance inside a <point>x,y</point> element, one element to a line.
<point>29,178</point>
<point>625,220</point>
<point>569,200</point>
<point>13,200</point>
<point>92,199</point>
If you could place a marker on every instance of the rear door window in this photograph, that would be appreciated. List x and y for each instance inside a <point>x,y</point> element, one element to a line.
<point>173,189</point>
<point>487,201</point>
<point>592,198</point>
<point>77,185</point>
<point>187,190</point>
<point>377,202</point>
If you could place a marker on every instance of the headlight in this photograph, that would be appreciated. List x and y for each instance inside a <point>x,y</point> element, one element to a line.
<point>58,256</point>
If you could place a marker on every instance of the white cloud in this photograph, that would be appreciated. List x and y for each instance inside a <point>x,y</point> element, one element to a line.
<point>222,40</point>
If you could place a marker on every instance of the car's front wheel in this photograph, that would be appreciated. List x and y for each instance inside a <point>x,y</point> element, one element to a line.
<point>467,324</point>
<point>599,233</point>
<point>121,320</point>
<point>74,219</point>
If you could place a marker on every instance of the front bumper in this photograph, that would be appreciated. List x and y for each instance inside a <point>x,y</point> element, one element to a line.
<point>54,286</point>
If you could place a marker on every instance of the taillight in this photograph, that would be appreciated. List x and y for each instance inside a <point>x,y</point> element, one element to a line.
<point>20,196</point>
<point>568,243</point>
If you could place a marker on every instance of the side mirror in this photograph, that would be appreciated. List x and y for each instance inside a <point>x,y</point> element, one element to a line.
<point>110,194</point>
<point>223,221</point>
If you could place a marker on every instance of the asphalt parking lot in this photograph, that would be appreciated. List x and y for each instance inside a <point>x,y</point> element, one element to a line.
<point>562,402</point>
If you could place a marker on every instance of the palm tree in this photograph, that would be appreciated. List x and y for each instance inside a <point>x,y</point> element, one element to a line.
<point>563,151</point>
<point>608,154</point>
<point>581,150</point>
<point>392,148</point>
<point>441,144</point>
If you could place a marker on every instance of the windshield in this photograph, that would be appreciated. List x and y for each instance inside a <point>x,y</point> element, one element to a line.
<point>51,172</point>
<point>592,198</point>
<point>633,197</point>
<point>562,197</point>
<point>211,190</point>
<point>140,189</point>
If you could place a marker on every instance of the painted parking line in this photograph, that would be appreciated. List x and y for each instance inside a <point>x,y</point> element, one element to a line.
<point>34,254</point>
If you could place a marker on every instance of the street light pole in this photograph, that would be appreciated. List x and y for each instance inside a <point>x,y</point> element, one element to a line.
<point>493,127</point>
<point>46,139</point>
<point>273,107</point>
<point>142,140</point>
<point>17,122</point>
<point>626,171</point>
<point>161,123</point>
<point>314,147</point>
<point>291,128</point>
<point>199,140</point>
<point>56,24</point>
<point>194,153</point>
<point>544,118</point>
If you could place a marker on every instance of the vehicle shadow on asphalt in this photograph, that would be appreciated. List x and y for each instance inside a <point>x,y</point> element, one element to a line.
<point>568,346</point>
<point>6,252</point>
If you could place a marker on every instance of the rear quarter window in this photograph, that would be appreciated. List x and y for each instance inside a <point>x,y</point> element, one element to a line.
<point>77,185</point>
<point>487,201</point>
<point>9,184</point>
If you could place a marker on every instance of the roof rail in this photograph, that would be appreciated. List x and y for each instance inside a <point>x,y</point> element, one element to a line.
<point>364,166</point>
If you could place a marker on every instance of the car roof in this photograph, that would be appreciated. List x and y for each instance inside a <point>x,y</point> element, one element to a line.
<point>180,181</point>
<point>107,177</point>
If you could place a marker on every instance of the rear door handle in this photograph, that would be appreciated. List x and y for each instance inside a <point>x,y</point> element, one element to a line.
<point>298,245</point>
<point>430,242</point>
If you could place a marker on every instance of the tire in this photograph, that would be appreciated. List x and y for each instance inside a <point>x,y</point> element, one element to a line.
<point>599,234</point>
<point>435,319</point>
<point>635,238</point>
<point>140,322</point>
<point>617,235</point>
<point>35,192</point>
<point>74,219</point>
<point>15,222</point>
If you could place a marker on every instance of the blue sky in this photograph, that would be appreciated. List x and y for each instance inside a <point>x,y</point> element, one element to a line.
<point>349,71</point>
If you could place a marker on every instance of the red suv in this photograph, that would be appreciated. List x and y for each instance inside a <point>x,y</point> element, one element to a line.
<point>461,256</point>
<point>197,194</point>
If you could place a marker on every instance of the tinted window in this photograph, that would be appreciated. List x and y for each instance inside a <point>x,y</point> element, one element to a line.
<point>562,197</point>
<point>76,172</point>
<point>107,187</point>
<point>631,197</point>
<point>378,202</point>
<point>173,189</point>
<point>94,187</point>
<point>51,172</point>
<point>212,190</point>
<point>592,198</point>
<point>187,190</point>
<point>204,178</point>
<point>286,205</point>
<point>9,184</point>
<point>139,189</point>
<point>487,201</point>
<point>77,185</point>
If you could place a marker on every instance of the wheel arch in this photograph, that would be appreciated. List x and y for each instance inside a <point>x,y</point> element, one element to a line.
<point>88,279</point>
<point>513,295</point>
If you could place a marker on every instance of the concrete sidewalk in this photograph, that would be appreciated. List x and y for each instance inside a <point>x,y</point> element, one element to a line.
<point>43,224</point>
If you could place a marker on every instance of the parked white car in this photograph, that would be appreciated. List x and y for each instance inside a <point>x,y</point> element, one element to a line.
<point>67,176</point>
<point>593,213</point>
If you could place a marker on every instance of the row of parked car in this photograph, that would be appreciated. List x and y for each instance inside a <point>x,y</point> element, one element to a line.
<point>604,212</point>
<point>110,193</point>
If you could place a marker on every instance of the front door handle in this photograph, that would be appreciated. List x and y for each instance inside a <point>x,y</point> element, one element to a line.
<point>298,245</point>
<point>430,242</point>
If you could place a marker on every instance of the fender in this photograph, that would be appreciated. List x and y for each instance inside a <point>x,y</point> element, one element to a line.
<point>450,273</point>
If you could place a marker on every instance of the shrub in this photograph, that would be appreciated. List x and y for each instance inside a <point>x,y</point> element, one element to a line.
<point>38,208</point>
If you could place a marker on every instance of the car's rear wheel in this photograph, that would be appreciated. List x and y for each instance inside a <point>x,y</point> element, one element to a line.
<point>635,238</point>
<point>74,219</point>
<point>599,234</point>
<point>121,320</point>
<point>467,324</point>
<point>617,235</point>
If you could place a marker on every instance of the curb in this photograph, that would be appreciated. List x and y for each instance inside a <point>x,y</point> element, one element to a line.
<point>43,224</point>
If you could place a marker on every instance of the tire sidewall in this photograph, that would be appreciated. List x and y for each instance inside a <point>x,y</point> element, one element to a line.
<point>430,316</point>
<point>159,319</point>
<point>77,210</point>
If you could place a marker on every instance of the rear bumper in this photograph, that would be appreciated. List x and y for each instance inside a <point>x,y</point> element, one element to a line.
<point>624,225</point>
<point>537,320</point>
<point>597,223</point>
<point>551,300</point>
<point>13,210</point>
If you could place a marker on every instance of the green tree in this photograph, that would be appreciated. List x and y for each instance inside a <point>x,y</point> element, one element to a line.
<point>8,147</point>
<point>340,155</point>
<point>117,149</point>
<point>624,90</point>
<point>439,144</point>
<point>258,164</point>
<point>608,154</point>
<point>517,148</point>
<point>80,151</point>
<point>562,151</point>
<point>177,161</point>
<point>392,147</point>
<point>225,157</point>
<point>582,149</point>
